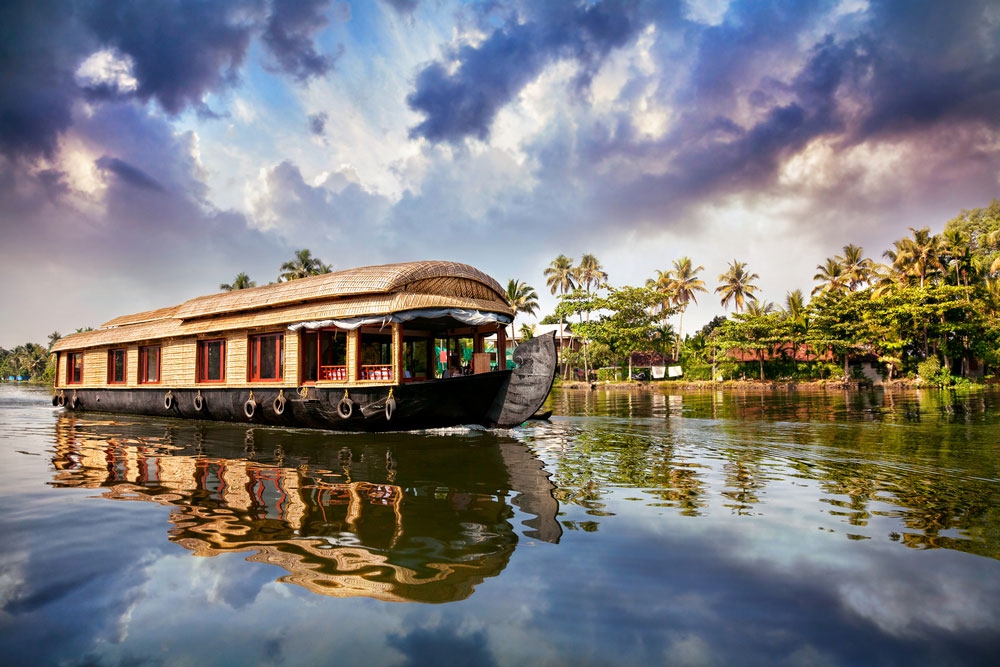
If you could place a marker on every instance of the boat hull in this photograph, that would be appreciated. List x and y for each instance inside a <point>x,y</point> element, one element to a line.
<point>497,399</point>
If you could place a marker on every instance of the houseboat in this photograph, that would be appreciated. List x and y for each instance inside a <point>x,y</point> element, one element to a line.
<point>377,348</point>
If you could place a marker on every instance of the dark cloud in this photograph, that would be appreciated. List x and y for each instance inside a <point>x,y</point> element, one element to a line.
<point>36,52</point>
<point>405,7</point>
<point>180,50</point>
<point>463,103</point>
<point>289,34</point>
<point>127,173</point>
<point>443,646</point>
<point>317,123</point>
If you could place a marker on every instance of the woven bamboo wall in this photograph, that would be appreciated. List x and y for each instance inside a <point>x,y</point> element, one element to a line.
<point>236,358</point>
<point>177,363</point>
<point>95,367</point>
<point>291,374</point>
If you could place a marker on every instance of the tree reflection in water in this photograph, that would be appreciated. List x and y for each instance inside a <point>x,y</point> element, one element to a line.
<point>905,460</point>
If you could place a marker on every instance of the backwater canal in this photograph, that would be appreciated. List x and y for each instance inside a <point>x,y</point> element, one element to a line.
<point>633,528</point>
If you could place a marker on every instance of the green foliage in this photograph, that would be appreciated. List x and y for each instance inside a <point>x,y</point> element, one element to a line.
<point>29,361</point>
<point>624,322</point>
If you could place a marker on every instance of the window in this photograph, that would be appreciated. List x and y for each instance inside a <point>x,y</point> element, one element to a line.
<point>212,360</point>
<point>375,354</point>
<point>149,364</point>
<point>74,368</point>
<point>116,366</point>
<point>267,357</point>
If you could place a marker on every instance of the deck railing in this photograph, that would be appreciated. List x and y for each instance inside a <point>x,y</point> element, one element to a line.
<point>376,372</point>
<point>333,373</point>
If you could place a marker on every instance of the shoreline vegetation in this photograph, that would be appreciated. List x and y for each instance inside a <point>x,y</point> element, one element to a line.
<point>769,385</point>
<point>928,316</point>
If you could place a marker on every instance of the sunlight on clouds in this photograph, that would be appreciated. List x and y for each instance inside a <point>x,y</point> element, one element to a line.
<point>621,69</point>
<point>107,68</point>
<point>517,124</point>
<point>850,7</point>
<point>243,111</point>
<point>821,165</point>
<point>709,12</point>
<point>78,163</point>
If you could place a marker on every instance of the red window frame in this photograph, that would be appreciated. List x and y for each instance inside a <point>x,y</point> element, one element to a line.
<point>112,354</point>
<point>204,364</point>
<point>264,344</point>
<point>144,369</point>
<point>74,368</point>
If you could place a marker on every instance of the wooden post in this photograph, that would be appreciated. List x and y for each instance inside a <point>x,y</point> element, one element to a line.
<point>502,348</point>
<point>397,353</point>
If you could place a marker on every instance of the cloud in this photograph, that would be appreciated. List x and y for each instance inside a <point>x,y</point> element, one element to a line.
<point>127,173</point>
<point>461,98</point>
<point>317,123</point>
<point>36,54</point>
<point>180,51</point>
<point>289,37</point>
<point>405,7</point>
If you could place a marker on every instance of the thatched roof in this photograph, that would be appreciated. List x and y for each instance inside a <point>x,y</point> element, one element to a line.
<point>370,290</point>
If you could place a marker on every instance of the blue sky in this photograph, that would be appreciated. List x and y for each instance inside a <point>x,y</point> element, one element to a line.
<point>151,151</point>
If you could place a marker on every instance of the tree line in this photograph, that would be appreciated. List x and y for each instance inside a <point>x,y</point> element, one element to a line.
<point>930,309</point>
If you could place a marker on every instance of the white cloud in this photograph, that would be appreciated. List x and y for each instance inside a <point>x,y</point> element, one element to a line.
<point>107,68</point>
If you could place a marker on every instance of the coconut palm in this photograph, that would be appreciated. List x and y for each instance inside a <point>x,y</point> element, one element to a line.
<point>832,277</point>
<point>54,338</point>
<point>917,257</point>
<point>241,281</point>
<point>303,266</point>
<point>736,285</point>
<point>858,269</point>
<point>662,284</point>
<point>590,272</point>
<point>685,282</point>
<point>760,308</point>
<point>958,256</point>
<point>795,306</point>
<point>559,276</point>
<point>522,298</point>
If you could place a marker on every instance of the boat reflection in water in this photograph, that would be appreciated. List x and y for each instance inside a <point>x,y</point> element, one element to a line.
<point>405,517</point>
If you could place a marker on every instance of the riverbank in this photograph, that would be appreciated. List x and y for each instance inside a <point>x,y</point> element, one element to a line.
<point>757,385</point>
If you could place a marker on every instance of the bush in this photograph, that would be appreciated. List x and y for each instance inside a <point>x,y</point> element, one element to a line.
<point>928,369</point>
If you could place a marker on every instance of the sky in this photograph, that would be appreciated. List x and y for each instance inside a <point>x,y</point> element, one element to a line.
<point>151,151</point>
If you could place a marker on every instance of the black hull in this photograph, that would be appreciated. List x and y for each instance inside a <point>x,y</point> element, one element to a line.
<point>499,399</point>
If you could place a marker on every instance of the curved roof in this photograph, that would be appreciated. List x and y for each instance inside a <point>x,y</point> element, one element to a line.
<point>370,290</point>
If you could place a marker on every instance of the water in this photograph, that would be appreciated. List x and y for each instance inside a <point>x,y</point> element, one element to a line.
<point>633,528</point>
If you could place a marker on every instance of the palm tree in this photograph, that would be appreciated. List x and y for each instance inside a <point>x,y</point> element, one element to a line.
<point>795,306</point>
<point>832,277</point>
<point>918,257</point>
<point>522,298</point>
<point>685,283</point>
<point>590,272</point>
<point>795,313</point>
<point>760,308</point>
<point>736,285</point>
<point>858,269</point>
<point>241,281</point>
<point>303,266</point>
<point>54,338</point>
<point>663,285</point>
<point>559,276</point>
